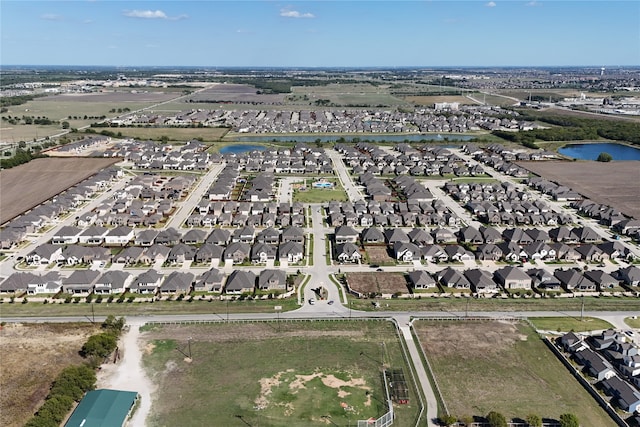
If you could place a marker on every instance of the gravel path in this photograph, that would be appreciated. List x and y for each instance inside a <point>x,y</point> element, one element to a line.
<point>128,374</point>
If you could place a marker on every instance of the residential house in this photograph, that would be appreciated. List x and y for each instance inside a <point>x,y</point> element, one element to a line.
<point>481,281</point>
<point>347,253</point>
<point>177,282</point>
<point>453,279</point>
<point>624,394</point>
<point>272,280</point>
<point>33,284</point>
<point>292,234</point>
<point>147,282</point>
<point>44,254</point>
<point>573,280</point>
<point>344,234</point>
<point>208,252</point>
<point>261,253</point>
<point>237,252</point>
<point>421,280</point>
<point>111,282</point>
<point>292,252</point>
<point>146,237</point>
<point>512,278</point>
<point>372,235</point>
<point>194,237</point>
<point>594,364</point>
<point>406,251</point>
<point>240,282</point>
<point>93,235</point>
<point>169,236</point>
<point>155,253</point>
<point>128,256</point>
<point>119,236</point>
<point>181,253</point>
<point>80,282</point>
<point>604,281</point>
<point>218,236</point>
<point>210,281</point>
<point>66,235</point>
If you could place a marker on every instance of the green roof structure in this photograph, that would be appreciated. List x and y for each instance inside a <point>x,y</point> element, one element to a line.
<point>103,408</point>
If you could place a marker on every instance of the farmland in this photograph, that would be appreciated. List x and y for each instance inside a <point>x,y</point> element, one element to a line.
<point>478,364</point>
<point>319,369</point>
<point>46,178</point>
<point>611,183</point>
<point>32,356</point>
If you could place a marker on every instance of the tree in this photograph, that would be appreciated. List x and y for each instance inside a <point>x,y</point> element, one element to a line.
<point>604,157</point>
<point>65,125</point>
<point>100,345</point>
<point>496,419</point>
<point>448,419</point>
<point>534,420</point>
<point>112,324</point>
<point>569,420</point>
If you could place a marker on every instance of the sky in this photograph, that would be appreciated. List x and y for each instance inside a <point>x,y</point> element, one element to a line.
<point>361,33</point>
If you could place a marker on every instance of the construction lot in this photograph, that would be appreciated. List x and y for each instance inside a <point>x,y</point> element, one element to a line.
<point>484,366</point>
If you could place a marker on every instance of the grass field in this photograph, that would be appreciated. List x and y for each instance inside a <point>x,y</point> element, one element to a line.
<point>479,364</point>
<point>320,195</point>
<point>566,324</point>
<point>32,356</point>
<point>272,374</point>
<point>429,100</point>
<point>351,94</point>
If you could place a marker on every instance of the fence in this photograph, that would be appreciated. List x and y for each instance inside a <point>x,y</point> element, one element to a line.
<point>385,420</point>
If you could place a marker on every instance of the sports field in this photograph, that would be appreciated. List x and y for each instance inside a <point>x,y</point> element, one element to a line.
<point>504,367</point>
<point>272,374</point>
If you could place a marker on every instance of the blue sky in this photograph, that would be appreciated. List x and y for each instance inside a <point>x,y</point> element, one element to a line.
<point>320,33</point>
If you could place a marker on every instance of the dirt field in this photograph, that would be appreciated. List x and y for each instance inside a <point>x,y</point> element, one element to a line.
<point>478,364</point>
<point>430,100</point>
<point>614,183</point>
<point>31,357</point>
<point>384,283</point>
<point>378,255</point>
<point>26,186</point>
<point>235,93</point>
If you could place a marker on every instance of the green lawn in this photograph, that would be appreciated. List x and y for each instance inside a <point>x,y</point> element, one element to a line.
<point>272,374</point>
<point>320,195</point>
<point>634,323</point>
<point>503,367</point>
<point>566,324</point>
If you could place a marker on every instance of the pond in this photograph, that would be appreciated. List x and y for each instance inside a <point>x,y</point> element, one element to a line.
<point>591,151</point>
<point>240,148</point>
<point>349,138</point>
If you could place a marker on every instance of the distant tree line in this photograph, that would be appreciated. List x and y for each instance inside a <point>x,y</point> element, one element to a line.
<point>496,419</point>
<point>17,100</point>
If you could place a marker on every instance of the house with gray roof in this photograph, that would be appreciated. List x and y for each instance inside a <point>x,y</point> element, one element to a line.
<point>240,282</point>
<point>512,278</point>
<point>33,284</point>
<point>481,281</point>
<point>347,253</point>
<point>146,237</point>
<point>272,280</point>
<point>421,280</point>
<point>119,236</point>
<point>344,234</point>
<point>454,279</point>
<point>292,252</point>
<point>210,281</point>
<point>111,282</point>
<point>237,252</point>
<point>66,235</point>
<point>80,282</point>
<point>178,282</point>
<point>147,282</point>
<point>208,252</point>
<point>44,254</point>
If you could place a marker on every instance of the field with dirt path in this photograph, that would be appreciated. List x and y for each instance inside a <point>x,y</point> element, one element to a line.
<point>31,356</point>
<point>613,183</point>
<point>272,374</point>
<point>28,185</point>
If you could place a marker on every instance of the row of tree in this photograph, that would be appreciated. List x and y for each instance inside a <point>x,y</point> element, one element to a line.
<point>496,419</point>
<point>20,157</point>
<point>74,381</point>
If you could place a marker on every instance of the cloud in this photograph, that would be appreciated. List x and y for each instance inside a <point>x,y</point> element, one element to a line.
<point>51,17</point>
<point>533,4</point>
<point>151,14</point>
<point>491,4</point>
<point>295,14</point>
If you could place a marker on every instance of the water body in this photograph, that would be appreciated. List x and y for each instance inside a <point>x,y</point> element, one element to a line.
<point>240,148</point>
<point>349,138</point>
<point>591,151</point>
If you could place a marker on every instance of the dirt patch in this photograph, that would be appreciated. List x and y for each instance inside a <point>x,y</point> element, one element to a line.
<point>28,185</point>
<point>31,356</point>
<point>378,254</point>
<point>614,184</point>
<point>379,282</point>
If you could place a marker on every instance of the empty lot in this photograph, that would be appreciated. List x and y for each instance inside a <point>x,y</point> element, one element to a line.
<point>613,183</point>
<point>505,367</point>
<point>28,185</point>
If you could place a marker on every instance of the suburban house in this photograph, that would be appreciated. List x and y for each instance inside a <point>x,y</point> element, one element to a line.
<point>147,282</point>
<point>111,282</point>
<point>32,284</point>
<point>66,235</point>
<point>80,282</point>
<point>420,280</point>
<point>292,252</point>
<point>146,237</point>
<point>261,253</point>
<point>44,254</point>
<point>347,253</point>
<point>237,252</point>
<point>451,278</point>
<point>240,282</point>
<point>406,252</point>
<point>272,280</point>
<point>119,236</point>
<point>210,281</point>
<point>344,234</point>
<point>481,281</point>
<point>178,282</point>
<point>512,278</point>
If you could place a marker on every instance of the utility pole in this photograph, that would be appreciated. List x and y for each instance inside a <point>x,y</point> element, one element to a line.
<point>582,310</point>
